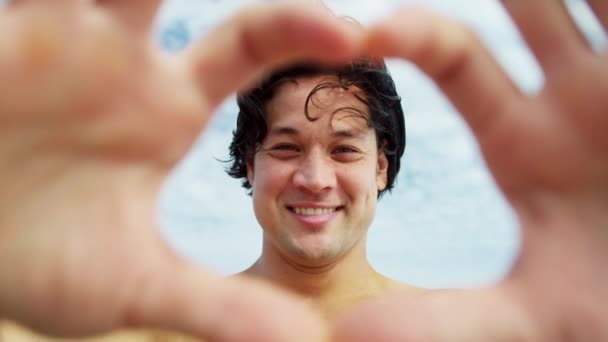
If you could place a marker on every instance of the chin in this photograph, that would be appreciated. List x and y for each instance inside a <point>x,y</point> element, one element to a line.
<point>314,257</point>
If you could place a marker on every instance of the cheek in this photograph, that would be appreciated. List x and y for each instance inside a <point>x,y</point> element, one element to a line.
<point>358,182</point>
<point>269,178</point>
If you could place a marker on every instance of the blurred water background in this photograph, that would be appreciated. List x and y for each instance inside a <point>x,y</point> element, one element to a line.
<point>444,225</point>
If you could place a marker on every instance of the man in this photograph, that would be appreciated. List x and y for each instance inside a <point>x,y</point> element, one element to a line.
<point>92,121</point>
<point>89,132</point>
<point>547,153</point>
<point>317,146</point>
<point>320,145</point>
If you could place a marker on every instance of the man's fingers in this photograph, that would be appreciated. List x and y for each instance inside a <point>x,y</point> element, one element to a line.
<point>42,2</point>
<point>549,30</point>
<point>600,7</point>
<point>455,59</point>
<point>183,298</point>
<point>137,15</point>
<point>12,3</point>
<point>265,37</point>
<point>455,316</point>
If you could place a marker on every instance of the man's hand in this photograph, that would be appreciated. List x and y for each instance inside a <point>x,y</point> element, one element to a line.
<point>92,119</point>
<point>548,154</point>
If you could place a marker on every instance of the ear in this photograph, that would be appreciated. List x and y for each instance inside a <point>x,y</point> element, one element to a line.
<point>382,171</point>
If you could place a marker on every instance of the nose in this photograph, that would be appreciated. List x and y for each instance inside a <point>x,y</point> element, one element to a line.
<point>315,173</point>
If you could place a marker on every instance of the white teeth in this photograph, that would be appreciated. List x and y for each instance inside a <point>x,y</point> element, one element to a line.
<point>313,211</point>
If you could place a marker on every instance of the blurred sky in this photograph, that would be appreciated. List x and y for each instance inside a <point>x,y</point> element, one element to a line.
<point>444,225</point>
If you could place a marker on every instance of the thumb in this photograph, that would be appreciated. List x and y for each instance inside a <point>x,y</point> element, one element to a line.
<point>186,299</point>
<point>446,316</point>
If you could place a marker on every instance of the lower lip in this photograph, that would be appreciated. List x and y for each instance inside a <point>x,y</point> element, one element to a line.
<point>315,220</point>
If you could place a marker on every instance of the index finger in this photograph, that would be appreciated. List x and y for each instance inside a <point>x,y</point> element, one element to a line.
<point>265,37</point>
<point>137,15</point>
<point>456,60</point>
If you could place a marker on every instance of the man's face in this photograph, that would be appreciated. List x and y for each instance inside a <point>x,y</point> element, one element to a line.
<point>315,183</point>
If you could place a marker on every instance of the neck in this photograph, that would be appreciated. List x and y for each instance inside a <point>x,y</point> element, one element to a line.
<point>331,286</point>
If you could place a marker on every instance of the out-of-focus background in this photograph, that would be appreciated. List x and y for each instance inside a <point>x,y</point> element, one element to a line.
<point>444,225</point>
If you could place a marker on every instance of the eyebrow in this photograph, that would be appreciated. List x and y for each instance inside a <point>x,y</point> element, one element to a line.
<point>292,131</point>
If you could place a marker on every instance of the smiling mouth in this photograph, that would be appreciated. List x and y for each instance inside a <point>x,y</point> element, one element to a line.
<point>313,211</point>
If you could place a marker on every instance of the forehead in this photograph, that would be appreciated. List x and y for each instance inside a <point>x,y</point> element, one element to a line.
<point>330,106</point>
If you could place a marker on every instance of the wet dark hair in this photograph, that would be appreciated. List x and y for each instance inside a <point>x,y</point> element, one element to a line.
<point>379,95</point>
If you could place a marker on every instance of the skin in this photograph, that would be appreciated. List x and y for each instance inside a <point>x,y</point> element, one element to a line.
<point>93,120</point>
<point>332,162</point>
<point>12,332</point>
<point>82,161</point>
<point>548,154</point>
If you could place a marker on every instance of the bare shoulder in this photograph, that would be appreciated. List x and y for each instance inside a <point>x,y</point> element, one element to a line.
<point>415,292</point>
<point>395,286</point>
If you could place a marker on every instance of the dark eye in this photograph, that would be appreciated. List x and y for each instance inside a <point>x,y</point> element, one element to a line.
<point>284,151</point>
<point>345,149</point>
<point>285,147</point>
<point>346,154</point>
